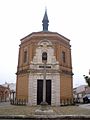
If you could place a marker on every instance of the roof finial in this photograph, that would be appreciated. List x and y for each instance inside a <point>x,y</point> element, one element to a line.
<point>45,21</point>
<point>45,8</point>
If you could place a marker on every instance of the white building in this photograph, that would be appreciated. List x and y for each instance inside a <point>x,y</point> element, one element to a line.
<point>80,91</point>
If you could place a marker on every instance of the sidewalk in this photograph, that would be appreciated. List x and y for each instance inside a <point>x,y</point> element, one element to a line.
<point>87,106</point>
<point>7,109</point>
<point>4,104</point>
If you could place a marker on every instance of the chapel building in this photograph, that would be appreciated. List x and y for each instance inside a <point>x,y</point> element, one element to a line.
<point>56,50</point>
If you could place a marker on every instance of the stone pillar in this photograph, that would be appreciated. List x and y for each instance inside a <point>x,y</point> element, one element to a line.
<point>44,86</point>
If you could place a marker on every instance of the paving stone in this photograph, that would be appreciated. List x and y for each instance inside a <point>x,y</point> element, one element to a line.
<point>28,110</point>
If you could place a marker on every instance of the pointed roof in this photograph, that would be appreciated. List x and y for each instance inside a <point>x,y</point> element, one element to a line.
<point>45,18</point>
<point>45,21</point>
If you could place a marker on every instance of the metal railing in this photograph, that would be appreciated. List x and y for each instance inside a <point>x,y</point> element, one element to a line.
<point>64,102</point>
<point>18,102</point>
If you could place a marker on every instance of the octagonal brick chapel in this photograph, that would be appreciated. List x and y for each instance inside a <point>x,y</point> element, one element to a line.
<point>30,70</point>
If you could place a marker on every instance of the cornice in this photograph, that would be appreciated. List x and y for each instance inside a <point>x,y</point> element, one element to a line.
<point>44,34</point>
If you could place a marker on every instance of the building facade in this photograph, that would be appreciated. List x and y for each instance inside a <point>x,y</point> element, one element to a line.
<point>80,91</point>
<point>4,93</point>
<point>31,70</point>
<point>12,90</point>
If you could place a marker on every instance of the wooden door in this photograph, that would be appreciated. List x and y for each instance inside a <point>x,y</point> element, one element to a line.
<point>40,91</point>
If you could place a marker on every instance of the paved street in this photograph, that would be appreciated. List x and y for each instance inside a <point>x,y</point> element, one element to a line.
<point>4,104</point>
<point>7,109</point>
<point>87,106</point>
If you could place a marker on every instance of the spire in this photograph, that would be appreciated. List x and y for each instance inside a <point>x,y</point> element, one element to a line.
<point>45,21</point>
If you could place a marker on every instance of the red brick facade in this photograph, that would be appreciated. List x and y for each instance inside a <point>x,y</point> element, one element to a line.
<point>62,53</point>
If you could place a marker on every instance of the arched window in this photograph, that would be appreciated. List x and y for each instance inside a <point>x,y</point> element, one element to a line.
<point>44,56</point>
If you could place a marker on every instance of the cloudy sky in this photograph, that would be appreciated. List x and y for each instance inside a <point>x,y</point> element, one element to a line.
<point>70,18</point>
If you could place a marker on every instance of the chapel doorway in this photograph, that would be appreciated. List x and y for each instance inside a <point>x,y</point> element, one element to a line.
<point>40,91</point>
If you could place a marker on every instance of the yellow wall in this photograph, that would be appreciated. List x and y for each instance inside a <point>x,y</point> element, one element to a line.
<point>22,87</point>
<point>65,86</point>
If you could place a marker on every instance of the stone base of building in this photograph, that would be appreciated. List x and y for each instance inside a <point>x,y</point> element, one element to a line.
<point>44,110</point>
